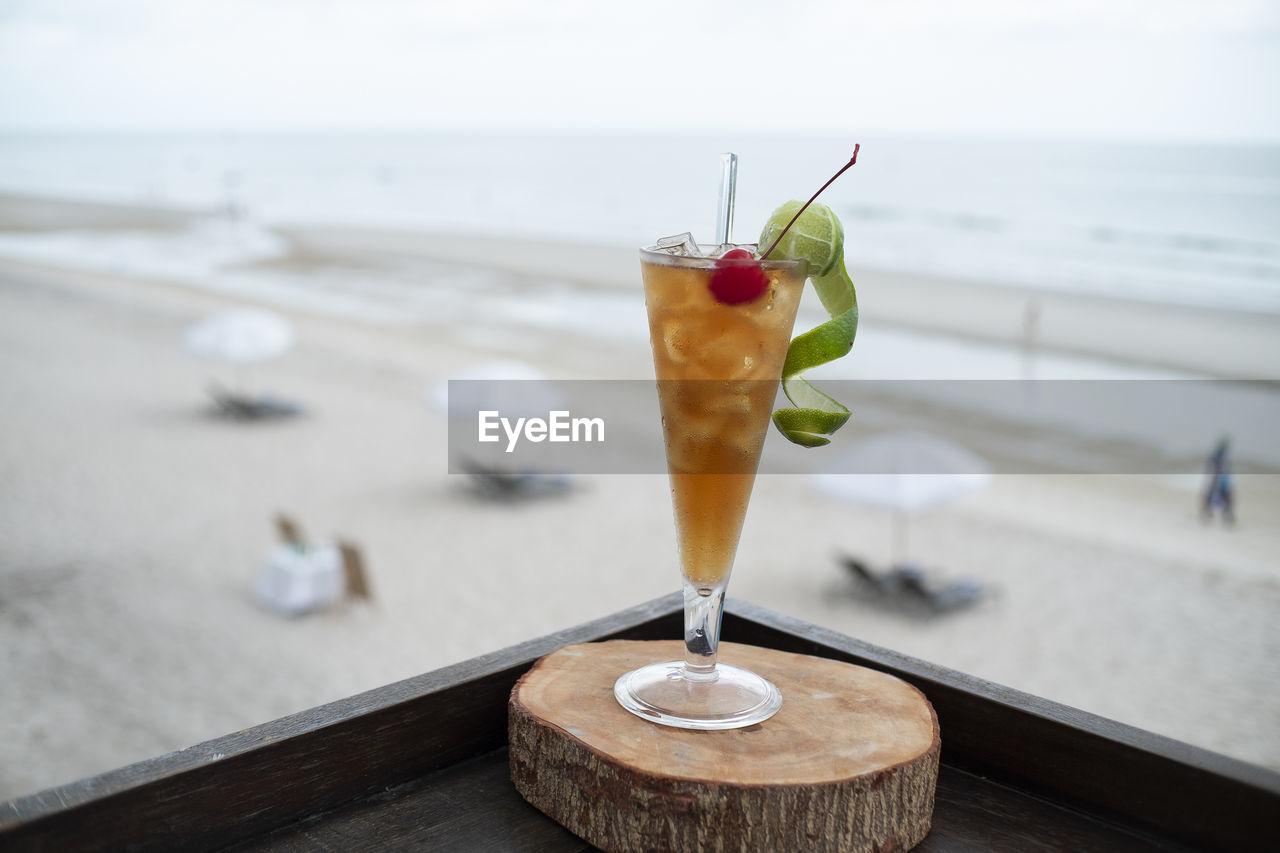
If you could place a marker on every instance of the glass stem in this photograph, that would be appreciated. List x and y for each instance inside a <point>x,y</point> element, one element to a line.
<point>702,610</point>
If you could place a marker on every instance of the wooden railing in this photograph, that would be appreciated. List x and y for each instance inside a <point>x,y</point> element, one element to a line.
<point>422,763</point>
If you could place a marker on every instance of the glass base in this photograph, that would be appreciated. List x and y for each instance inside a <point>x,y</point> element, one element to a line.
<point>729,697</point>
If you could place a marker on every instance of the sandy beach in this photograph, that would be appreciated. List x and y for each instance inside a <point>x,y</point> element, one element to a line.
<point>133,523</point>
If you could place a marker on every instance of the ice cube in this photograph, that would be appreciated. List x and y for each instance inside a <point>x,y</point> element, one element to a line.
<point>753,248</point>
<point>734,405</point>
<point>681,245</point>
<point>680,345</point>
<point>694,446</point>
<point>750,364</point>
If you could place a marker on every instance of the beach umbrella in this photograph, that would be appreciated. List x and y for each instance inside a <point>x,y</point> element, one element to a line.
<point>241,336</point>
<point>904,472</point>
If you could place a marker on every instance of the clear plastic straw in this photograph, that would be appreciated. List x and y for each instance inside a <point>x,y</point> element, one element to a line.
<point>728,189</point>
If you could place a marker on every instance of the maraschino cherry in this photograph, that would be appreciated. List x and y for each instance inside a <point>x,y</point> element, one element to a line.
<point>738,278</point>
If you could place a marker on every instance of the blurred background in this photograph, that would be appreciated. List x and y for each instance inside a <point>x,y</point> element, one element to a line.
<point>244,246</point>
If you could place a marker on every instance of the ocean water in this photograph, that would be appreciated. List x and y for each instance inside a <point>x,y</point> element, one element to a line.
<point>1196,225</point>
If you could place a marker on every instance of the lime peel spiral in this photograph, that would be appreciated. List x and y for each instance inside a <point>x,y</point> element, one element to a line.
<point>813,232</point>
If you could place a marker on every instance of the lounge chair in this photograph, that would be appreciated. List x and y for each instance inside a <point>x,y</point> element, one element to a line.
<point>357,578</point>
<point>938,597</point>
<point>240,406</point>
<point>868,580</point>
<point>907,587</point>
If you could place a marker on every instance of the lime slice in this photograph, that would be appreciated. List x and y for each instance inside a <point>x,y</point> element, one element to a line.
<point>818,237</point>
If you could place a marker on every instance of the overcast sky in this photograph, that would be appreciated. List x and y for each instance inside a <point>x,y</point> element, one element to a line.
<point>1175,69</point>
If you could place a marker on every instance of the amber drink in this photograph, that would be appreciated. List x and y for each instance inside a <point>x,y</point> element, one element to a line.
<point>718,365</point>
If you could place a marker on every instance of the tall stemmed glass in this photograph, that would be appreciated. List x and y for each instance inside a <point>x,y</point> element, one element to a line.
<point>718,365</point>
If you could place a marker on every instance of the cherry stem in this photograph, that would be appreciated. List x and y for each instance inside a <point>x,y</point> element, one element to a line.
<point>830,181</point>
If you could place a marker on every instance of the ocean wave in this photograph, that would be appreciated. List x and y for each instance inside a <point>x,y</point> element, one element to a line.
<point>1208,243</point>
<point>1110,235</point>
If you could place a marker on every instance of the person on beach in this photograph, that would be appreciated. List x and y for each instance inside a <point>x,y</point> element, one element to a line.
<point>1219,491</point>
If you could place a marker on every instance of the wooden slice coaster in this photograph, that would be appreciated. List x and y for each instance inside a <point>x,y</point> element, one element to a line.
<point>849,763</point>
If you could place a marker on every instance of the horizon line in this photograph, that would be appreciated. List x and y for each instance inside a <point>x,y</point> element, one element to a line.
<point>1028,136</point>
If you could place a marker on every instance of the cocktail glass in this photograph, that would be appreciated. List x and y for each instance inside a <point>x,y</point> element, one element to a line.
<point>718,367</point>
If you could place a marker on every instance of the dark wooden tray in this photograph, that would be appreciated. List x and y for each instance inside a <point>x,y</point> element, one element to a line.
<point>422,764</point>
